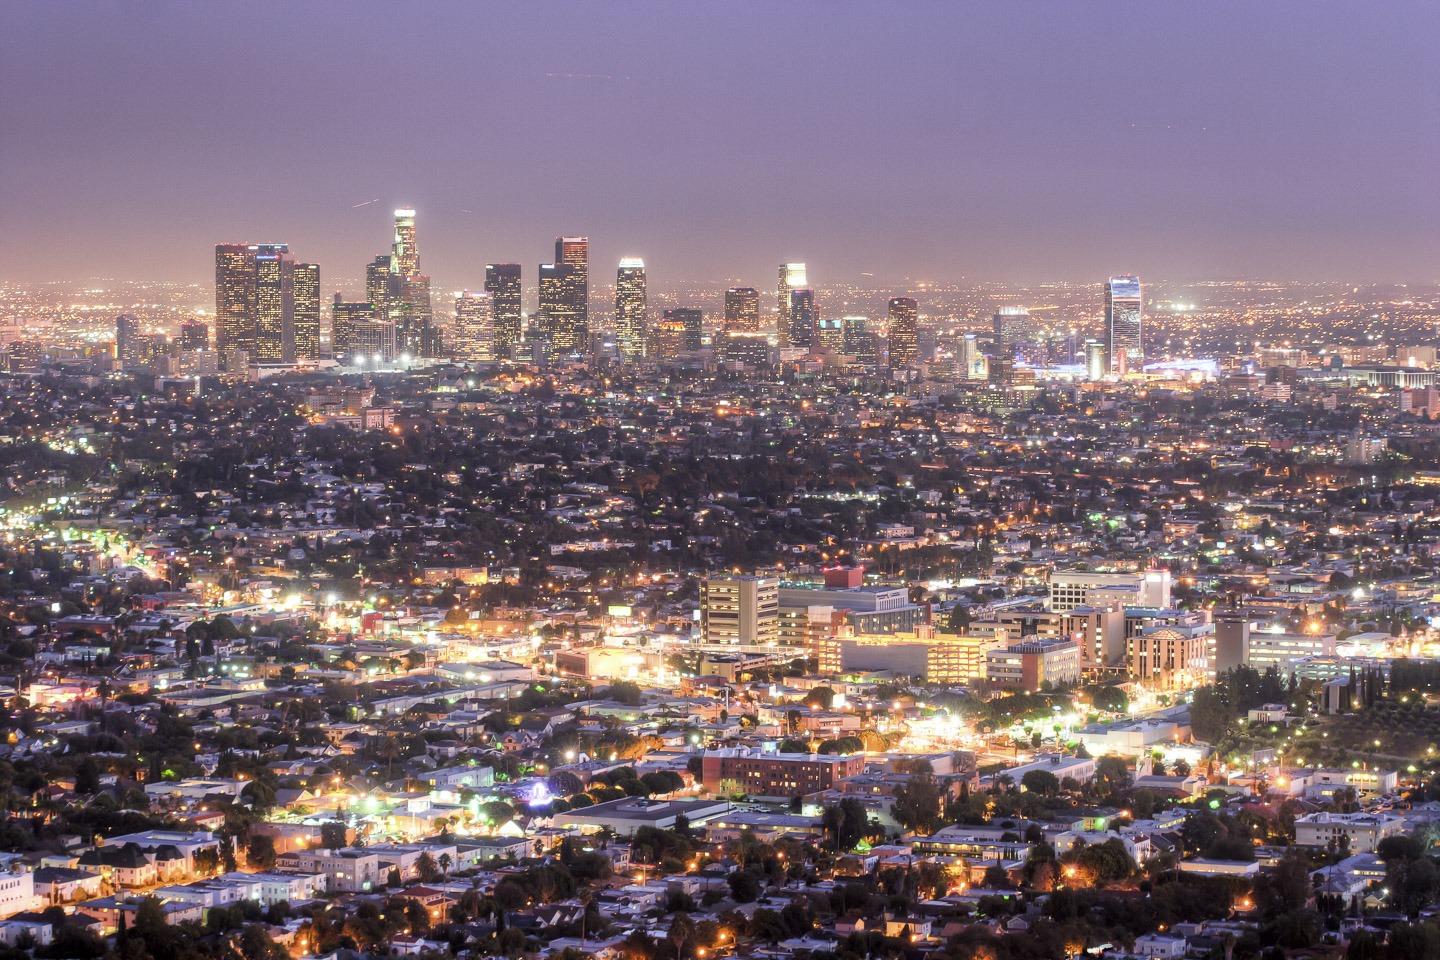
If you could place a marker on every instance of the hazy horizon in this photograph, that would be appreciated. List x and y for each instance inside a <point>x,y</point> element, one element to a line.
<point>946,143</point>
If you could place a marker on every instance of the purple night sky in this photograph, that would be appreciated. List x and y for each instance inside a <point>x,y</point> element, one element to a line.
<point>942,140</point>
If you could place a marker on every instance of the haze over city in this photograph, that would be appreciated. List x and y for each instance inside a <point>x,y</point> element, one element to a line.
<point>929,141</point>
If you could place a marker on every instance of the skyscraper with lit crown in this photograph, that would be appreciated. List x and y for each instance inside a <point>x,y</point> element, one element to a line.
<point>408,291</point>
<point>630,308</point>
<point>1124,324</point>
<point>405,256</point>
<point>793,276</point>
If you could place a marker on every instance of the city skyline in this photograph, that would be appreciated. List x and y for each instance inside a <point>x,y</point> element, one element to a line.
<point>1235,152</point>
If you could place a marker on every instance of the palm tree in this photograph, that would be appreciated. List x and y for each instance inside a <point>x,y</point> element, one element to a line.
<point>444,862</point>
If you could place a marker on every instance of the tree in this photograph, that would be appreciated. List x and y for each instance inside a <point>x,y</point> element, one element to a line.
<point>917,803</point>
<point>846,823</point>
<point>256,944</point>
<point>426,868</point>
<point>1418,941</point>
<point>996,878</point>
<point>682,930</point>
<point>1286,889</point>
<point>822,698</point>
<point>563,783</point>
<point>87,778</point>
<point>1042,782</point>
<point>333,835</point>
<point>207,860</point>
<point>1112,774</point>
<point>627,693</point>
<point>261,851</point>
<point>1364,946</point>
<point>150,915</point>
<point>1106,862</point>
<point>1111,699</point>
<point>744,886</point>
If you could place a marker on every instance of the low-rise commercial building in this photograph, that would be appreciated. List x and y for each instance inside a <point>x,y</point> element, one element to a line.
<point>1033,665</point>
<point>776,774</point>
<point>1356,832</point>
<point>626,816</point>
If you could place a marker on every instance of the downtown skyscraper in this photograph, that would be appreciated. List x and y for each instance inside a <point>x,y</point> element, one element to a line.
<point>742,310</point>
<point>256,302</point>
<point>575,252</point>
<point>692,322</point>
<point>127,341</point>
<point>792,277</point>
<point>304,341</point>
<point>903,338</point>
<point>630,327</point>
<point>503,283</point>
<point>409,291</point>
<point>562,315</point>
<point>1124,325</point>
<point>405,255</point>
<point>473,335</point>
<point>803,321</point>
<point>1016,334</point>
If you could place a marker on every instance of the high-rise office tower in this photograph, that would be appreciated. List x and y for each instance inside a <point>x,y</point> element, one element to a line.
<point>630,328</point>
<point>562,316</point>
<point>405,256</point>
<point>740,610</point>
<point>1016,334</point>
<point>127,341</point>
<point>344,318</point>
<point>668,341</point>
<point>792,277</point>
<point>303,345</point>
<point>502,282</point>
<point>405,300</point>
<point>474,331</point>
<point>254,300</point>
<point>194,335</point>
<point>855,328</point>
<point>857,339</point>
<point>575,252</point>
<point>830,334</point>
<point>1123,323</point>
<point>1095,360</point>
<point>742,310</point>
<point>372,343</point>
<point>692,322</point>
<point>378,286</point>
<point>803,319</point>
<point>927,345</point>
<point>973,365</point>
<point>274,305</point>
<point>904,327</point>
<point>414,330</point>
